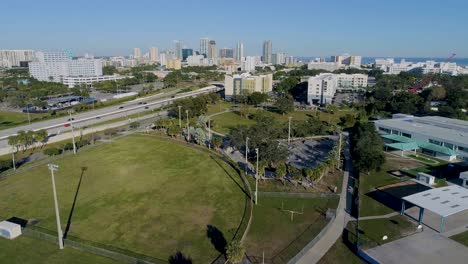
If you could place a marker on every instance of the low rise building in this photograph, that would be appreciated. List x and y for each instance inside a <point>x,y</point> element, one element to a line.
<point>174,64</point>
<point>322,87</point>
<point>327,66</point>
<point>72,81</point>
<point>245,84</point>
<point>441,137</point>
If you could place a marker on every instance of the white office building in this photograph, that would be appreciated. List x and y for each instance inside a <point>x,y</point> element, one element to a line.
<point>245,84</point>
<point>72,81</point>
<point>351,81</point>
<point>248,64</point>
<point>326,66</point>
<point>441,137</point>
<point>12,58</point>
<point>267,51</point>
<point>278,58</point>
<point>346,59</point>
<point>321,89</point>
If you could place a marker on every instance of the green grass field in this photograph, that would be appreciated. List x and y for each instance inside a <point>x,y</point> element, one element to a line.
<point>11,119</point>
<point>225,122</point>
<point>26,250</point>
<point>339,253</point>
<point>461,238</point>
<point>273,232</point>
<point>372,231</point>
<point>140,194</point>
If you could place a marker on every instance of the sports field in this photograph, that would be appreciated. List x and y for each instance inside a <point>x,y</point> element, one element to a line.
<point>138,193</point>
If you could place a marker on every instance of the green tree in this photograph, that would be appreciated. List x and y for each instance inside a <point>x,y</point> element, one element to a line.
<point>41,136</point>
<point>257,98</point>
<point>284,105</point>
<point>281,171</point>
<point>366,147</point>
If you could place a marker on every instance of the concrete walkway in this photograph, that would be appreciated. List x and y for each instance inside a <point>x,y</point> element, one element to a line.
<point>377,216</point>
<point>339,223</point>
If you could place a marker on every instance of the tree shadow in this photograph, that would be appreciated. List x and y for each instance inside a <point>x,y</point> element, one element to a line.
<point>179,258</point>
<point>230,176</point>
<point>67,228</point>
<point>217,238</point>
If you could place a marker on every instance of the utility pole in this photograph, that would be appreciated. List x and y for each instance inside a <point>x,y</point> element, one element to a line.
<point>13,157</point>
<point>180,122</point>
<point>256,179</point>
<point>246,151</point>
<point>188,131</point>
<point>52,168</point>
<point>289,130</point>
<point>29,116</point>
<point>73,133</point>
<point>209,133</point>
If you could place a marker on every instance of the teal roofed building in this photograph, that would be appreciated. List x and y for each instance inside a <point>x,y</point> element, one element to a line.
<point>436,136</point>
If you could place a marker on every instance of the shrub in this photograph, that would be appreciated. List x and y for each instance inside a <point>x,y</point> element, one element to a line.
<point>52,151</point>
<point>67,146</point>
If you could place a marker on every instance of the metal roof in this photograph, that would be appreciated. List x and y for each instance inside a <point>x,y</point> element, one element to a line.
<point>398,138</point>
<point>403,146</point>
<point>443,201</point>
<point>444,128</point>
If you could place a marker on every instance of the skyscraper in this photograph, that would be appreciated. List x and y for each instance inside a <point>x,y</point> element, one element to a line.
<point>226,53</point>
<point>212,52</point>
<point>186,53</point>
<point>267,48</point>
<point>204,42</point>
<point>154,54</point>
<point>136,53</point>
<point>239,51</point>
<point>178,49</point>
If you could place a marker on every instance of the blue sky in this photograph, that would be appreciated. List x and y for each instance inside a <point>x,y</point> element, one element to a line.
<point>417,28</point>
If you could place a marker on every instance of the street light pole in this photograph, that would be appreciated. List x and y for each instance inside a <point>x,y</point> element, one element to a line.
<point>246,151</point>
<point>188,131</point>
<point>13,157</point>
<point>180,122</point>
<point>289,130</point>
<point>52,168</point>
<point>209,133</point>
<point>256,180</point>
<point>73,133</point>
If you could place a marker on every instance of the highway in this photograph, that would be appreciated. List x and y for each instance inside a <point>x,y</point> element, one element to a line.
<point>57,126</point>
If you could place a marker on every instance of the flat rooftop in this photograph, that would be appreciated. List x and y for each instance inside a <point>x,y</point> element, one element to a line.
<point>444,201</point>
<point>432,126</point>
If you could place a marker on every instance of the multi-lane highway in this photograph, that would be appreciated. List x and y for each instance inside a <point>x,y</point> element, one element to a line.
<point>60,125</point>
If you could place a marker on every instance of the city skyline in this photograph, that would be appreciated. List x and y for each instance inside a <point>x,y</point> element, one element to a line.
<point>367,28</point>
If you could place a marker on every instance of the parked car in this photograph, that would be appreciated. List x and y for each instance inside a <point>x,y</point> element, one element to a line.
<point>121,107</point>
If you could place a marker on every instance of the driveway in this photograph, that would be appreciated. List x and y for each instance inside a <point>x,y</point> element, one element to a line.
<point>428,247</point>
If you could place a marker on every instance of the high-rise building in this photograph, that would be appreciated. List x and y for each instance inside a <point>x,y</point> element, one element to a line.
<point>163,59</point>
<point>13,58</point>
<point>278,58</point>
<point>226,53</point>
<point>154,54</point>
<point>239,51</point>
<point>204,43</point>
<point>186,53</point>
<point>136,53</point>
<point>321,89</point>
<point>346,59</point>
<point>212,51</point>
<point>248,64</point>
<point>267,51</point>
<point>178,49</point>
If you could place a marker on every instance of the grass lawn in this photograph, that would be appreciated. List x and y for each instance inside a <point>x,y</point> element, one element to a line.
<point>424,159</point>
<point>26,250</point>
<point>339,253</point>
<point>138,193</point>
<point>225,122</point>
<point>274,233</point>
<point>369,206</point>
<point>11,119</point>
<point>461,238</point>
<point>372,231</point>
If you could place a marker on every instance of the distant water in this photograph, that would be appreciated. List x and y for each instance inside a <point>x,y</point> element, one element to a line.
<point>367,60</point>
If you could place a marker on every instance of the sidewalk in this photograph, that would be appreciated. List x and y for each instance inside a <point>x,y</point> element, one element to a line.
<point>339,223</point>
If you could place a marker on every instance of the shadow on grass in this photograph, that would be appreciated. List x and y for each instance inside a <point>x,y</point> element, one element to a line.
<point>230,176</point>
<point>217,239</point>
<point>179,258</point>
<point>67,228</point>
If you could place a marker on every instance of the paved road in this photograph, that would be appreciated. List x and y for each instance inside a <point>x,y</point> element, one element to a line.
<point>339,223</point>
<point>56,126</point>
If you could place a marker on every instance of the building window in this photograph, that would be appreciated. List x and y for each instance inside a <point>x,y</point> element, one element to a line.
<point>448,145</point>
<point>460,148</point>
<point>433,141</point>
<point>386,130</point>
<point>406,135</point>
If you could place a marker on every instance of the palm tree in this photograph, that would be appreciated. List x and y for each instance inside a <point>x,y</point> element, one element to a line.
<point>13,141</point>
<point>22,139</point>
<point>41,136</point>
<point>235,252</point>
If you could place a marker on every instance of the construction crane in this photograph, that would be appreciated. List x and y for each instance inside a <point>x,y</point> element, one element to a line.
<point>426,80</point>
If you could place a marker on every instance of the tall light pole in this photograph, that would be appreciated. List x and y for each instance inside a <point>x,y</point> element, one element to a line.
<point>73,132</point>
<point>29,116</point>
<point>256,179</point>
<point>246,151</point>
<point>209,133</point>
<point>13,158</point>
<point>289,130</point>
<point>52,168</point>
<point>180,122</point>
<point>188,131</point>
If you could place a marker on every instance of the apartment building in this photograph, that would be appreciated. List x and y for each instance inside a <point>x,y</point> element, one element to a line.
<point>245,84</point>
